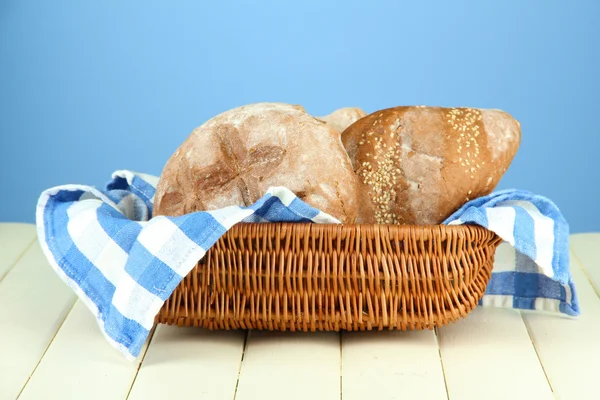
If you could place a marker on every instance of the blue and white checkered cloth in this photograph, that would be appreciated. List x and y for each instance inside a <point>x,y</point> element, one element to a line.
<point>123,264</point>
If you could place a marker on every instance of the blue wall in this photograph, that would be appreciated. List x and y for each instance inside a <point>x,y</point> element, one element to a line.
<point>86,89</point>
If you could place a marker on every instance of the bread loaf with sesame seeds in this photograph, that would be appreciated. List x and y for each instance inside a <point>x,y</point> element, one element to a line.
<point>342,118</point>
<point>235,157</point>
<point>417,164</point>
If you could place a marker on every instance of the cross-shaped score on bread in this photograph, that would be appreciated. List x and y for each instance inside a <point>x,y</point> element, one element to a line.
<point>247,167</point>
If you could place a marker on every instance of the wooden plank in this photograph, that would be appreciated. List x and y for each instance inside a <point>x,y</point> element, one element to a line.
<point>14,240</point>
<point>290,365</point>
<point>207,361</point>
<point>489,355</point>
<point>569,348</point>
<point>391,365</point>
<point>81,364</point>
<point>586,247</point>
<point>33,304</point>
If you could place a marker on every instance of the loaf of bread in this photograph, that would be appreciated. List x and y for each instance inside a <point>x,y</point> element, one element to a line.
<point>342,118</point>
<point>417,165</point>
<point>233,159</point>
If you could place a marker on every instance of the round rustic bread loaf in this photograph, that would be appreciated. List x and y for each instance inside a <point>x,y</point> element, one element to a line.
<point>342,118</point>
<point>417,165</point>
<point>233,159</point>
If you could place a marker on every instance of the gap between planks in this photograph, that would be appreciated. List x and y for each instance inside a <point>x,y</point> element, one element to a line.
<point>46,350</point>
<point>567,347</point>
<point>237,382</point>
<point>3,274</point>
<point>488,354</point>
<point>80,346</point>
<point>143,357</point>
<point>210,360</point>
<point>437,342</point>
<point>489,346</point>
<point>17,243</point>
<point>28,326</point>
<point>300,365</point>
<point>537,353</point>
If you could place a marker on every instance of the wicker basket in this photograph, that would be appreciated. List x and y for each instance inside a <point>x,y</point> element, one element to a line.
<point>308,277</point>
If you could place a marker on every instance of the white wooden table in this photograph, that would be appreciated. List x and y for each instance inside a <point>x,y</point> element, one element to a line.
<point>51,348</point>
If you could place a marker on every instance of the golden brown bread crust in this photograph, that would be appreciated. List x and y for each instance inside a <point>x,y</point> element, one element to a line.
<point>417,165</point>
<point>236,156</point>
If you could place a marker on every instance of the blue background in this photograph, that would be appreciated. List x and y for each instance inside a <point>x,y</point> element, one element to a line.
<point>87,88</point>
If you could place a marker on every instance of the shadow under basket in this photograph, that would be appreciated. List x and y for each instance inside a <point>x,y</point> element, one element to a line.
<point>313,277</point>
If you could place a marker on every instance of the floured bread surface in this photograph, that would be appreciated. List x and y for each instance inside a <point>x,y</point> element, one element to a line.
<point>236,156</point>
<point>342,118</point>
<point>417,165</point>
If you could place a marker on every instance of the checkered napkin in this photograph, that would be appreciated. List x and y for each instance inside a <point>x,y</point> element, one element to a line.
<point>123,264</point>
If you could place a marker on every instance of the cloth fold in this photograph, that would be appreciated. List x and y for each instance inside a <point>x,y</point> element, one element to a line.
<point>123,263</point>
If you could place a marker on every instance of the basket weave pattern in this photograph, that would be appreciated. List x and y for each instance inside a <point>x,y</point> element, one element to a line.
<point>308,277</point>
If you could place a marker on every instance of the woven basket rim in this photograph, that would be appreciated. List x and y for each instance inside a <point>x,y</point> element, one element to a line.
<point>352,225</point>
<point>392,228</point>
